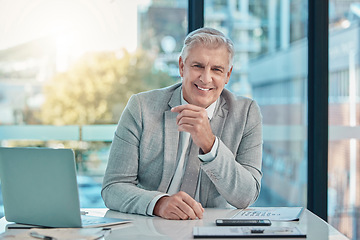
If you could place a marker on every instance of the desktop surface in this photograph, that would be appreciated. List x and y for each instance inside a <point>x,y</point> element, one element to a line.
<point>145,227</point>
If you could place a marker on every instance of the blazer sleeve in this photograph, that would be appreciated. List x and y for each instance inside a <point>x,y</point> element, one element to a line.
<point>237,176</point>
<point>120,191</point>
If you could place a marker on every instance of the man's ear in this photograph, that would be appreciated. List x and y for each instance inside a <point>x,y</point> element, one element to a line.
<point>181,66</point>
<point>228,75</point>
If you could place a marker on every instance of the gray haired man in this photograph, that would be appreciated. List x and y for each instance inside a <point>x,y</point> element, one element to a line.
<point>188,146</point>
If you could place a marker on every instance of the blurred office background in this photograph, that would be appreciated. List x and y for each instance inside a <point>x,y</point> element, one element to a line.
<point>67,69</point>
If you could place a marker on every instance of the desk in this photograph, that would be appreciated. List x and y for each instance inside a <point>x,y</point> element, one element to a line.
<point>144,227</point>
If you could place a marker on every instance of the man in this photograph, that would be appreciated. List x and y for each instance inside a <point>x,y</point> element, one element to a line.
<point>190,145</point>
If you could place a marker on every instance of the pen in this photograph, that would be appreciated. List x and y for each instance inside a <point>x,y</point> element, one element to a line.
<point>39,236</point>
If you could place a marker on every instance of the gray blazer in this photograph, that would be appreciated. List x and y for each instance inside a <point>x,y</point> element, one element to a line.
<point>143,153</point>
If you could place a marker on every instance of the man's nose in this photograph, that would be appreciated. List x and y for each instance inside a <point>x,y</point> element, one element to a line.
<point>206,76</point>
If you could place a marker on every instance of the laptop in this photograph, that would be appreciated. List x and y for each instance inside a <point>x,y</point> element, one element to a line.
<point>39,187</point>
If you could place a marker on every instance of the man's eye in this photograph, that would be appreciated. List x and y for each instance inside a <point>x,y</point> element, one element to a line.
<point>217,69</point>
<point>197,66</point>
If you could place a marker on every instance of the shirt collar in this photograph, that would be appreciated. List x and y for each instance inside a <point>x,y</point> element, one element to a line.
<point>210,109</point>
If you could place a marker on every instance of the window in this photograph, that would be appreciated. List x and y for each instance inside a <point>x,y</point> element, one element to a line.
<point>65,80</point>
<point>68,68</point>
<point>271,67</point>
<point>344,117</point>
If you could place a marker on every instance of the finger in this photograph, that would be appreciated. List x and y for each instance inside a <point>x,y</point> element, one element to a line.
<point>172,210</point>
<point>197,208</point>
<point>172,216</point>
<point>187,210</point>
<point>178,109</point>
<point>181,108</point>
<point>185,128</point>
<point>180,214</point>
<point>185,120</point>
<point>200,206</point>
<point>188,114</point>
<point>202,209</point>
<point>193,117</point>
<point>193,205</point>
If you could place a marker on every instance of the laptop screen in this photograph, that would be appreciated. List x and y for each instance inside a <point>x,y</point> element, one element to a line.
<point>39,186</point>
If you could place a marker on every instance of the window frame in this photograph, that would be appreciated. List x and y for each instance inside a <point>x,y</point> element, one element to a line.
<point>318,94</point>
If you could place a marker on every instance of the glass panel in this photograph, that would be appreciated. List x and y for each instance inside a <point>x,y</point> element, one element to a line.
<point>68,68</point>
<point>98,132</point>
<point>270,66</point>
<point>39,132</point>
<point>344,117</point>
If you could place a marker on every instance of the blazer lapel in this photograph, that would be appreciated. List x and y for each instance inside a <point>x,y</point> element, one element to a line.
<point>217,124</point>
<point>171,142</point>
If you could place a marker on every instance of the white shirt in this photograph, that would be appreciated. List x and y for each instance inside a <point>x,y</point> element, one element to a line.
<point>180,169</point>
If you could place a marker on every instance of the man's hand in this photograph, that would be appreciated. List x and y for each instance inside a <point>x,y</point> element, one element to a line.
<point>194,119</point>
<point>179,206</point>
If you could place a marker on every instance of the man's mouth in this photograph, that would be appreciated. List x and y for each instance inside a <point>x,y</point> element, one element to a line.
<point>203,89</point>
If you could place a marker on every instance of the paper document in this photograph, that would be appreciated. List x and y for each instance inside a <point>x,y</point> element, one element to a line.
<point>57,234</point>
<point>271,213</point>
<point>247,232</point>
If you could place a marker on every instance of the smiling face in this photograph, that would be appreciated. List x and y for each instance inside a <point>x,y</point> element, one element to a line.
<point>205,72</point>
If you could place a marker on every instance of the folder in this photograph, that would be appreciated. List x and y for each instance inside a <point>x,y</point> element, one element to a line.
<point>247,232</point>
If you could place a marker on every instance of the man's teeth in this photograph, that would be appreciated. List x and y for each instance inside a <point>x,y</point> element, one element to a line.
<point>203,89</point>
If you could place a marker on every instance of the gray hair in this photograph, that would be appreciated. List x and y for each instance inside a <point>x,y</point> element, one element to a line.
<point>208,37</point>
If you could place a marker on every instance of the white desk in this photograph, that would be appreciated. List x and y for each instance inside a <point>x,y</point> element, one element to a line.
<point>144,227</point>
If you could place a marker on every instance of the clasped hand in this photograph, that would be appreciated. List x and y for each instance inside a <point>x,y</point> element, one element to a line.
<point>179,206</point>
<point>194,119</point>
